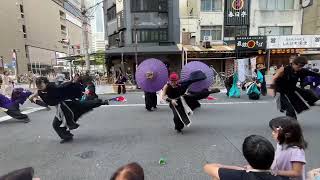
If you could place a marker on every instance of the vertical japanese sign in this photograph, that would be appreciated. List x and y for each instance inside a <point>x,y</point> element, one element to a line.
<point>236,12</point>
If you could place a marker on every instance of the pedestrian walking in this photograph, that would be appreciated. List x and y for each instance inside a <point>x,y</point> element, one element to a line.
<point>7,84</point>
<point>121,82</point>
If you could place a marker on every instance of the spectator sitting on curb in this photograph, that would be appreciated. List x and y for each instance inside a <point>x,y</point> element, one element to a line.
<point>259,153</point>
<point>132,171</point>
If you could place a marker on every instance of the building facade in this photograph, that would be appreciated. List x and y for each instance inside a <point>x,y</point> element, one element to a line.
<point>201,29</point>
<point>143,28</point>
<point>97,25</point>
<point>311,17</point>
<point>39,35</point>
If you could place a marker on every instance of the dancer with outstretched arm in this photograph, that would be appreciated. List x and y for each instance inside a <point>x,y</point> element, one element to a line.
<point>67,100</point>
<point>294,99</point>
<point>175,94</point>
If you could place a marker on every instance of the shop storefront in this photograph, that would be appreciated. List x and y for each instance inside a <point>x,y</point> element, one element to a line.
<point>282,49</point>
<point>218,57</point>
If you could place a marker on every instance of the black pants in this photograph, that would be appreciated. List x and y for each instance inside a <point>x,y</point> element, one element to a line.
<point>264,88</point>
<point>178,124</point>
<point>150,100</point>
<point>123,87</point>
<point>73,110</point>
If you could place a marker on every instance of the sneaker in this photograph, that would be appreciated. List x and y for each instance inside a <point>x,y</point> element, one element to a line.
<point>69,139</point>
<point>25,120</point>
<point>317,103</point>
<point>150,110</point>
<point>73,126</point>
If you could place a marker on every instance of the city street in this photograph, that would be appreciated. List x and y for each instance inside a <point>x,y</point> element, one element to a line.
<point>111,136</point>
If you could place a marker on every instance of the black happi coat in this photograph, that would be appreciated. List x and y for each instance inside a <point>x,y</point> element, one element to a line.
<point>68,95</point>
<point>292,96</point>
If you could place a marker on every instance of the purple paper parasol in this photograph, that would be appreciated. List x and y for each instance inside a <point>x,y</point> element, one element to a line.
<point>195,66</point>
<point>152,75</point>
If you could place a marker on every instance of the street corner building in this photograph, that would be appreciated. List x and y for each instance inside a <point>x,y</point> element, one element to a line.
<point>35,34</point>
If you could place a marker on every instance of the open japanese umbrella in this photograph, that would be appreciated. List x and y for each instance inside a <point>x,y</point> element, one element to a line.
<point>152,75</point>
<point>196,66</point>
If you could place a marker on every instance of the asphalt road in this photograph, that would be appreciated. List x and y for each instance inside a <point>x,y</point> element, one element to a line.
<point>111,136</point>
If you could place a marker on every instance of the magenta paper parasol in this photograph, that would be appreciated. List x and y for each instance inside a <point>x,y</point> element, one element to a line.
<point>195,66</point>
<point>152,75</point>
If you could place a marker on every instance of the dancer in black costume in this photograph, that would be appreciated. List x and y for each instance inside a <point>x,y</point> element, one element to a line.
<point>293,99</point>
<point>150,99</point>
<point>69,108</point>
<point>173,91</point>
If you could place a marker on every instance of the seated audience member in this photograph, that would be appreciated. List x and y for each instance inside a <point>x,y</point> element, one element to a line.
<point>132,171</point>
<point>259,153</point>
<point>290,157</point>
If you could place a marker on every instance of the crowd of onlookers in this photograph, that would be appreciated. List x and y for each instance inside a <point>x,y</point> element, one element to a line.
<point>265,162</point>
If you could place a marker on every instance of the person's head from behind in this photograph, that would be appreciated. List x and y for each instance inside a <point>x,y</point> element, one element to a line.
<point>132,171</point>
<point>25,174</point>
<point>299,62</point>
<point>258,151</point>
<point>287,131</point>
<point>42,82</point>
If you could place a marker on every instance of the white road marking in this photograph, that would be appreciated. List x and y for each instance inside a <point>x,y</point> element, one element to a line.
<point>216,103</point>
<point>6,118</point>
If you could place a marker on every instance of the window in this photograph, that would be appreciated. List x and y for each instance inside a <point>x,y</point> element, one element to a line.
<point>24,31</point>
<point>111,13</point>
<point>275,30</point>
<point>276,4</point>
<point>211,5</point>
<point>148,5</point>
<point>21,8</point>
<point>213,31</point>
<point>21,11</point>
<point>26,50</point>
<point>72,9</point>
<point>230,32</point>
<point>151,35</point>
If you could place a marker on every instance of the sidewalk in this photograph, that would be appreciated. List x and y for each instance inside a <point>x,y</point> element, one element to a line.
<point>100,89</point>
<point>104,89</point>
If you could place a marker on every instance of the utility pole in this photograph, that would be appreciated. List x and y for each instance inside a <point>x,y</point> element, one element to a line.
<point>85,34</point>
<point>136,43</point>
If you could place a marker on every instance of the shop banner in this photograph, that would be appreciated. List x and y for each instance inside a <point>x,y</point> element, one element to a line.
<point>243,69</point>
<point>293,41</point>
<point>249,43</point>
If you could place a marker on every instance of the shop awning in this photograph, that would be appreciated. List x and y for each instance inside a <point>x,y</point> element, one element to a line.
<point>214,48</point>
<point>172,49</point>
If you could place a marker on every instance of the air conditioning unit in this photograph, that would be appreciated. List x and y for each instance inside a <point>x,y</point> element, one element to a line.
<point>207,41</point>
<point>207,38</point>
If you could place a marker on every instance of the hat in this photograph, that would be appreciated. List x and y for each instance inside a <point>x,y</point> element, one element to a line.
<point>174,77</point>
